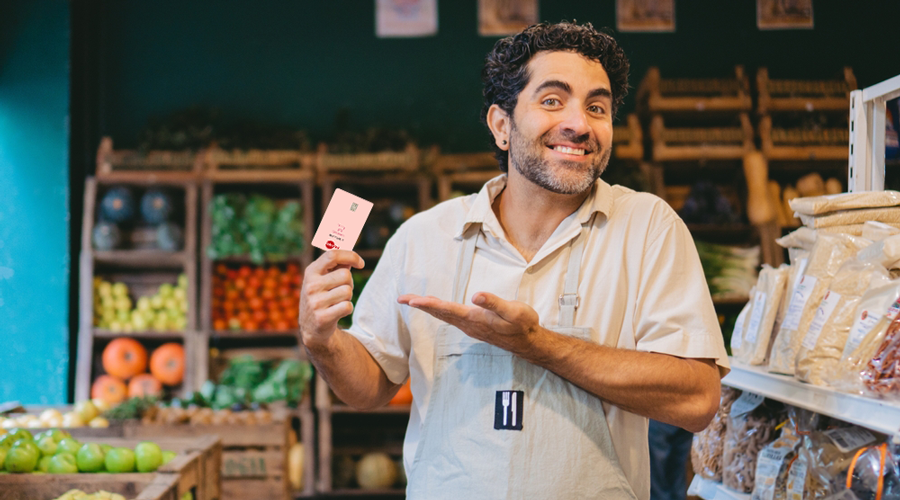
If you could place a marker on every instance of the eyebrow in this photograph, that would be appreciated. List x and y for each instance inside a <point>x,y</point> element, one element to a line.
<point>565,87</point>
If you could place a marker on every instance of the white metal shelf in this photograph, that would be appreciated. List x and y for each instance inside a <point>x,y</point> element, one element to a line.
<point>878,415</point>
<point>712,490</point>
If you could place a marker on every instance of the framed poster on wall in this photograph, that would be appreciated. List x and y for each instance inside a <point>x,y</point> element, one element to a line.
<point>784,14</point>
<point>405,18</point>
<point>645,15</point>
<point>505,17</point>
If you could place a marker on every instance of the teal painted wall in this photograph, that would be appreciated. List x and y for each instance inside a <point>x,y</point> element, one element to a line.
<point>298,62</point>
<point>34,208</point>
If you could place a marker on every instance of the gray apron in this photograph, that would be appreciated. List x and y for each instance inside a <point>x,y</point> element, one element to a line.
<point>553,441</point>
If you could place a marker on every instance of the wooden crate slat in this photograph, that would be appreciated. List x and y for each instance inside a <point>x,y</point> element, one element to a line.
<point>803,95</point>
<point>684,144</point>
<point>253,463</point>
<point>656,94</point>
<point>628,140</point>
<point>408,160</point>
<point>154,166</point>
<point>800,145</point>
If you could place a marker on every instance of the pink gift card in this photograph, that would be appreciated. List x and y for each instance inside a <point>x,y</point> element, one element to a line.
<point>342,222</point>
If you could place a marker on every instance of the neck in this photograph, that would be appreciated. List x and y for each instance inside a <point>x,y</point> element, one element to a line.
<point>529,214</point>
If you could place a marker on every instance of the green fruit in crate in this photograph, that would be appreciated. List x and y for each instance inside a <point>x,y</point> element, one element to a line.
<point>120,290</point>
<point>44,463</point>
<point>165,290</point>
<point>47,445</point>
<point>180,294</point>
<point>160,324</point>
<point>123,304</point>
<point>63,463</point>
<point>143,304</point>
<point>68,445</point>
<point>139,323</point>
<point>148,456</point>
<point>171,304</point>
<point>182,280</point>
<point>167,456</point>
<point>90,458</point>
<point>59,434</point>
<point>120,460</point>
<point>19,434</point>
<point>105,289</point>
<point>21,457</point>
<point>115,326</point>
<point>156,302</point>
<point>376,470</point>
<point>3,452</point>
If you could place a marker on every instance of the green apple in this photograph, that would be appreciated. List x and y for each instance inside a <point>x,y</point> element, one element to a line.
<point>120,460</point>
<point>165,290</point>
<point>68,445</point>
<point>167,456</point>
<point>182,280</point>
<point>26,443</point>
<point>139,323</point>
<point>59,434</point>
<point>105,289</point>
<point>47,445</point>
<point>90,458</point>
<point>115,326</point>
<point>44,464</point>
<point>63,463</point>
<point>21,458</point>
<point>147,456</point>
<point>87,410</point>
<point>19,433</point>
<point>105,447</point>
<point>180,294</point>
<point>143,304</point>
<point>123,315</point>
<point>3,452</point>
<point>120,290</point>
<point>156,302</point>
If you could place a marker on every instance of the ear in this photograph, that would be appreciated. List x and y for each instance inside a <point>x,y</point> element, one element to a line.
<point>499,122</point>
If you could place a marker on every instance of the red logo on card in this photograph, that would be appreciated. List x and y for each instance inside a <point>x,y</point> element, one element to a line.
<point>330,244</point>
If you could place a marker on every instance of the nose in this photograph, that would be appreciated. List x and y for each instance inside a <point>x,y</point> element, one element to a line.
<point>575,121</point>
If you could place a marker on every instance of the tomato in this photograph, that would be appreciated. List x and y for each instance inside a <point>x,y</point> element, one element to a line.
<point>292,268</point>
<point>294,323</point>
<point>231,274</point>
<point>272,305</point>
<point>240,283</point>
<point>270,283</point>
<point>283,291</point>
<point>267,326</point>
<point>286,279</point>
<point>260,316</point>
<point>232,294</point>
<point>220,324</point>
<point>275,315</point>
<point>216,303</point>
<point>249,293</point>
<point>244,316</point>
<point>296,294</point>
<point>259,273</point>
<point>282,326</point>
<point>267,294</point>
<point>250,326</point>
<point>273,272</point>
<point>221,269</point>
<point>298,279</point>
<point>255,303</point>
<point>289,303</point>
<point>245,271</point>
<point>254,282</point>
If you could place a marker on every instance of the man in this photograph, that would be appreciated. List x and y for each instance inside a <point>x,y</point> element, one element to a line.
<point>541,321</point>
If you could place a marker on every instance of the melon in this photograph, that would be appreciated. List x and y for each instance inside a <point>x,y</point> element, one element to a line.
<point>376,471</point>
<point>169,237</point>
<point>117,205</point>
<point>156,206</point>
<point>106,236</point>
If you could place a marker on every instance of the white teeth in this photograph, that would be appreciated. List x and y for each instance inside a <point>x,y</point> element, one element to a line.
<point>568,150</point>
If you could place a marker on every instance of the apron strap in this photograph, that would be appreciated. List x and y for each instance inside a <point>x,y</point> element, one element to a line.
<point>569,300</point>
<point>464,264</point>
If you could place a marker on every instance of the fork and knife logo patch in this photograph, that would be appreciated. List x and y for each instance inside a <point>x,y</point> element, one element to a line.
<point>508,410</point>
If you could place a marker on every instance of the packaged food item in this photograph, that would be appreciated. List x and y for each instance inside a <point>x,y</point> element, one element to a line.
<point>749,429</point>
<point>823,344</point>
<point>817,205</point>
<point>766,303</point>
<point>881,376</point>
<point>708,444</point>
<point>737,335</point>
<point>828,456</point>
<point>873,474</point>
<point>828,254</point>
<point>874,319</point>
<point>802,237</point>
<point>773,464</point>
<point>877,231</point>
<point>842,218</point>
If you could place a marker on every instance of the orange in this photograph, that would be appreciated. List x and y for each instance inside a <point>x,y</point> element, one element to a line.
<point>109,389</point>
<point>167,363</point>
<point>144,385</point>
<point>124,358</point>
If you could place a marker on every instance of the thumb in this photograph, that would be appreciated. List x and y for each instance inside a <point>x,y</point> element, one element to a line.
<point>492,303</point>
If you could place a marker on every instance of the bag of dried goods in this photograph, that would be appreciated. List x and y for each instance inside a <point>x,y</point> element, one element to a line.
<point>874,474</point>
<point>824,341</point>
<point>843,218</point>
<point>749,428</point>
<point>874,319</point>
<point>827,256</point>
<point>766,302</point>
<point>740,323</point>
<point>817,205</point>
<point>877,231</point>
<point>881,377</point>
<point>828,457</point>
<point>802,237</point>
<point>707,445</point>
<point>773,464</point>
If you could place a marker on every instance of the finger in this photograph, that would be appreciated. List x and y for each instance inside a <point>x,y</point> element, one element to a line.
<point>324,300</point>
<point>334,259</point>
<point>406,297</point>
<point>329,281</point>
<point>334,313</point>
<point>493,303</point>
<point>436,306</point>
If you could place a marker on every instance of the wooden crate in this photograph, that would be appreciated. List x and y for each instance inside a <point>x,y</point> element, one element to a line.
<point>804,95</point>
<point>153,166</point>
<point>408,160</point>
<point>195,469</point>
<point>712,143</point>
<point>691,95</point>
<point>141,267</point>
<point>254,457</point>
<point>467,171</point>
<point>800,144</point>
<point>257,165</point>
<point>628,140</point>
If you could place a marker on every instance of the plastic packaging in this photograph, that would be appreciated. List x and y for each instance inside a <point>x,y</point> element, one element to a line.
<point>886,215</point>
<point>881,376</point>
<point>877,231</point>
<point>802,237</point>
<point>766,304</point>
<point>707,446</point>
<point>827,256</point>
<point>773,464</point>
<point>746,435</point>
<point>823,343</point>
<point>873,474</point>
<point>816,205</point>
<point>740,324</point>
<point>829,455</point>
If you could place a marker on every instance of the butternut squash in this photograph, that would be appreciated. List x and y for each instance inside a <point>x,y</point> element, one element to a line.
<point>788,194</point>
<point>756,172</point>
<point>775,200</point>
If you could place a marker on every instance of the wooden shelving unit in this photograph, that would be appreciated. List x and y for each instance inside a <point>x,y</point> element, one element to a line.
<point>142,270</point>
<point>694,95</point>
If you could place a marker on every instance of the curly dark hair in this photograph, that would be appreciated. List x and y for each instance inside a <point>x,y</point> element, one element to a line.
<point>505,71</point>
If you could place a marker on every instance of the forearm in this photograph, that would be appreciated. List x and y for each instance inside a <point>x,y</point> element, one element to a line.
<point>351,372</point>
<point>681,392</point>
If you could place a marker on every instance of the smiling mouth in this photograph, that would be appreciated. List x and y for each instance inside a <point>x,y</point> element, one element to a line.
<point>569,151</point>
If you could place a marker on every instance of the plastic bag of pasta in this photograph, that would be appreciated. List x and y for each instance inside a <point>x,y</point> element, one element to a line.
<point>873,474</point>
<point>750,427</point>
<point>823,344</point>
<point>828,254</point>
<point>829,455</point>
<point>773,464</point>
<point>707,445</point>
<point>766,302</point>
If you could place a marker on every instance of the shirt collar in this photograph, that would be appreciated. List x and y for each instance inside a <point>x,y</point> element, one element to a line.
<point>600,200</point>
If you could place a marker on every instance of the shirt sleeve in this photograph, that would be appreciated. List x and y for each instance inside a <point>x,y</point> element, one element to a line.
<point>675,313</point>
<point>377,322</point>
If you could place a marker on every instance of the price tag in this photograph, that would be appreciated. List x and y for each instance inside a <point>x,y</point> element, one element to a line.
<point>768,467</point>
<point>823,312</point>
<point>893,311</point>
<point>797,480</point>
<point>746,403</point>
<point>756,316</point>
<point>850,438</point>
<point>798,302</point>
<point>861,327</point>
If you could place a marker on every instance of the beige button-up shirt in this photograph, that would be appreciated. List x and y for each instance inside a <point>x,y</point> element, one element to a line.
<point>641,287</point>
